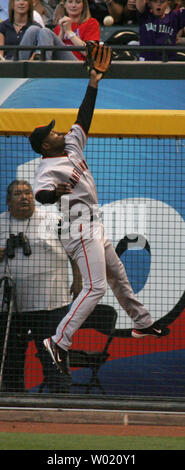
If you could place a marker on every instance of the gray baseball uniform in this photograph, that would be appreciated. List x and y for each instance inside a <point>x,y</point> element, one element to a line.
<point>85,241</point>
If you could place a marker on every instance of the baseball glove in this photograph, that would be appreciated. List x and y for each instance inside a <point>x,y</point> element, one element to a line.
<point>98,57</point>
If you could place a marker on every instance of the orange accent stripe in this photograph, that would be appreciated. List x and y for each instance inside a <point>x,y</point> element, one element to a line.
<point>57,156</point>
<point>90,289</point>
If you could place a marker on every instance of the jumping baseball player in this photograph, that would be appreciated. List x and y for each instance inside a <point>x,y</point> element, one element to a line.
<point>63,173</point>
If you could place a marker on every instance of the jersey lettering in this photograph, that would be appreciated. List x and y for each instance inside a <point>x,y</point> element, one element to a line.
<point>165,29</point>
<point>77,173</point>
<point>161,28</point>
<point>151,27</point>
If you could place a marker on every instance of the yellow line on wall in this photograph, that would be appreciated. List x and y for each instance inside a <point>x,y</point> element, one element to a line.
<point>105,122</point>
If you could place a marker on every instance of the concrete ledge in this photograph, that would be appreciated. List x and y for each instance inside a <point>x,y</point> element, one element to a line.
<point>30,401</point>
<point>93,417</point>
<point>68,69</point>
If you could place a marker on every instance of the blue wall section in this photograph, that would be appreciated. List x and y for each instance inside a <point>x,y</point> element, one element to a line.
<point>114,94</point>
<point>147,375</point>
<point>153,375</point>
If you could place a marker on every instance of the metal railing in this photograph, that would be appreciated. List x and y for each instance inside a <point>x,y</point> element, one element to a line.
<point>125,69</point>
<point>132,48</point>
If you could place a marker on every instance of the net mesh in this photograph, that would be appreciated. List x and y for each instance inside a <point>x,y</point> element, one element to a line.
<point>141,194</point>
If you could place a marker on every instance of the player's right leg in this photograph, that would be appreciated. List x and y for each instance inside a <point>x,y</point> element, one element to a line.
<point>91,262</point>
<point>90,258</point>
<point>58,355</point>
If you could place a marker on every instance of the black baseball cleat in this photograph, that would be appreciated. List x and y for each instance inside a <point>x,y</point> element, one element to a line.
<point>59,356</point>
<point>150,331</point>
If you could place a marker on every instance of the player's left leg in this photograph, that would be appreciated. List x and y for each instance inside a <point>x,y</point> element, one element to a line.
<point>118,281</point>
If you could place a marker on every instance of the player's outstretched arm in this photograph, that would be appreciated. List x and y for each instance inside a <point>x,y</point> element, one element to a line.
<point>98,59</point>
<point>95,78</point>
<point>86,109</point>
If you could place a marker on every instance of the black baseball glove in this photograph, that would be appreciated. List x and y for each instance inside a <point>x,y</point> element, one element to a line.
<point>98,57</point>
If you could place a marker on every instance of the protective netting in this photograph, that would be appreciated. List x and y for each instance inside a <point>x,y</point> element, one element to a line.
<point>140,183</point>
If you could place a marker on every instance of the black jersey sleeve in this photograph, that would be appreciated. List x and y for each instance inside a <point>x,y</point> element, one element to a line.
<point>46,197</point>
<point>86,109</point>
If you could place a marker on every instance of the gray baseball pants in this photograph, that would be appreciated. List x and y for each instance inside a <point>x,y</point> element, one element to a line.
<point>98,264</point>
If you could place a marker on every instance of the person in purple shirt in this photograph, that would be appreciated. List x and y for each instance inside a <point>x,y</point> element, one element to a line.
<point>158,26</point>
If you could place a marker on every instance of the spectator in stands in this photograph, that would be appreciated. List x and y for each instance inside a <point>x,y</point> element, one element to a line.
<point>46,10</point>
<point>21,29</point>
<point>123,11</point>
<point>58,12</point>
<point>76,26</point>
<point>176,5</point>
<point>3,10</point>
<point>53,3</point>
<point>98,9</point>
<point>123,14</point>
<point>13,29</point>
<point>37,16</point>
<point>181,37</point>
<point>158,26</point>
<point>42,284</point>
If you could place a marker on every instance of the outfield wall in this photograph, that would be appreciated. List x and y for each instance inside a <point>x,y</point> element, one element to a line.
<point>141,180</point>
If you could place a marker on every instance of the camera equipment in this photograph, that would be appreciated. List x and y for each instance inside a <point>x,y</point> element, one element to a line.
<point>8,305</point>
<point>16,241</point>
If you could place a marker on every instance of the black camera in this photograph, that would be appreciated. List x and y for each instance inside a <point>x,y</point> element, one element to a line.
<point>16,241</point>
